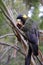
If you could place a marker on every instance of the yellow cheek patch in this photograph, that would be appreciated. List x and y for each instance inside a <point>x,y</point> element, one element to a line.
<point>24,16</point>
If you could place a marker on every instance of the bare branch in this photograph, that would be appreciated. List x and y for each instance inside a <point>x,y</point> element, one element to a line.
<point>10,34</point>
<point>14,26</point>
<point>7,49</point>
<point>12,46</point>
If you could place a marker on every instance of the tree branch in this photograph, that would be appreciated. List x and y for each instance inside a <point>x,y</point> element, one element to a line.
<point>10,34</point>
<point>14,27</point>
<point>12,46</point>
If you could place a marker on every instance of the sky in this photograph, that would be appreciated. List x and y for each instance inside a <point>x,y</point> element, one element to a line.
<point>40,9</point>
